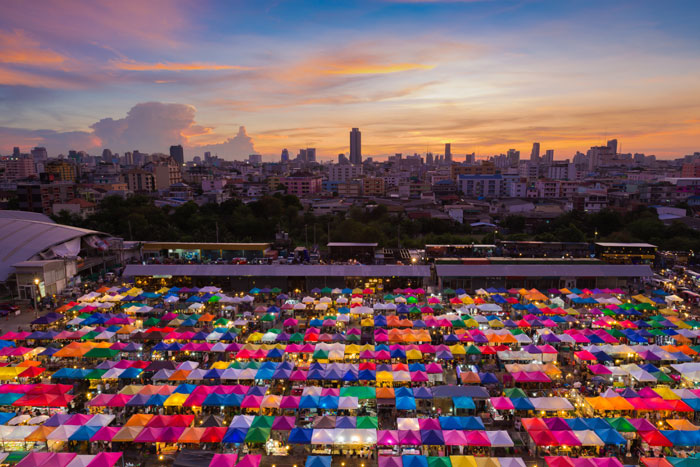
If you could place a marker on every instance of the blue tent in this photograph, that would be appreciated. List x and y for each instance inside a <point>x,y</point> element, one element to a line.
<point>610,436</point>
<point>309,402</point>
<point>432,438</point>
<point>414,461</point>
<point>299,436</point>
<point>235,435</point>
<point>522,403</point>
<point>463,402</point>
<point>84,433</point>
<point>405,403</point>
<point>578,423</point>
<point>682,438</point>
<point>318,461</point>
<point>327,402</point>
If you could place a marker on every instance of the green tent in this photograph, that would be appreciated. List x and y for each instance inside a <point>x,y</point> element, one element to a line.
<point>276,290</point>
<point>214,299</point>
<point>388,297</point>
<point>473,350</point>
<point>326,290</point>
<point>221,322</point>
<point>257,435</point>
<point>320,354</point>
<point>448,291</point>
<point>296,337</point>
<point>434,461</point>
<point>15,456</point>
<point>661,376</point>
<point>151,322</point>
<point>367,422</point>
<point>89,336</point>
<point>414,309</point>
<point>101,353</point>
<point>458,323</point>
<point>263,421</point>
<point>268,317</point>
<point>514,393</point>
<point>352,337</point>
<point>621,424</point>
<point>361,392</point>
<point>95,374</point>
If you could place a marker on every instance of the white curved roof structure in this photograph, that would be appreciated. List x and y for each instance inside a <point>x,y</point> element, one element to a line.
<point>22,238</point>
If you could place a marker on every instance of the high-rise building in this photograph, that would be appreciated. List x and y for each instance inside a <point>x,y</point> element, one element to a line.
<point>16,152</point>
<point>310,154</point>
<point>255,159</point>
<point>448,152</point>
<point>355,146</point>
<point>513,157</point>
<point>39,154</point>
<point>178,154</point>
<point>285,155</point>
<point>548,158</point>
<point>612,144</point>
<point>107,155</point>
<point>470,158</point>
<point>429,158</point>
<point>342,159</point>
<point>535,154</point>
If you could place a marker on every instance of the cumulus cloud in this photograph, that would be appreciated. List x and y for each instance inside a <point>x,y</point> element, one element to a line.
<point>57,142</point>
<point>148,127</point>
<point>240,145</point>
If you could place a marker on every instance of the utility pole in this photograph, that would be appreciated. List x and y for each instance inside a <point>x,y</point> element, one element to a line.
<point>314,233</point>
<point>217,231</point>
<point>306,235</point>
<point>131,236</point>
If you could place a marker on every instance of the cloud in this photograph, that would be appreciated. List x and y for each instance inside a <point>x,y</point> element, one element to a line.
<point>148,127</point>
<point>372,68</point>
<point>239,146</point>
<point>17,47</point>
<point>130,65</point>
<point>56,142</point>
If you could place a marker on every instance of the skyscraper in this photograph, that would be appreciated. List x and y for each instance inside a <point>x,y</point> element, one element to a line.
<point>448,152</point>
<point>548,158</point>
<point>107,155</point>
<point>285,155</point>
<point>355,146</point>
<point>612,144</point>
<point>310,154</point>
<point>178,154</point>
<point>535,154</point>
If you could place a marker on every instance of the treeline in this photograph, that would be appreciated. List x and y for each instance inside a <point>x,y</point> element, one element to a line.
<point>138,218</point>
<point>639,225</point>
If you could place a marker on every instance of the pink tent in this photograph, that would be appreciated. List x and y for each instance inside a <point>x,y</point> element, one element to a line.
<point>223,460</point>
<point>106,433</point>
<point>105,459</point>
<point>250,460</point>
<point>502,403</point>
<point>47,459</point>
<point>390,461</point>
<point>387,437</point>
<point>410,438</point>
<point>566,438</point>
<point>455,437</point>
<point>477,438</point>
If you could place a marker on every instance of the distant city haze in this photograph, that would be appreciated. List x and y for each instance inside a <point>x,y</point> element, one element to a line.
<point>241,78</point>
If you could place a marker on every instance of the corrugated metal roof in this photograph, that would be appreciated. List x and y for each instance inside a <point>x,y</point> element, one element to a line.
<point>21,239</point>
<point>275,270</point>
<point>543,270</point>
<point>26,215</point>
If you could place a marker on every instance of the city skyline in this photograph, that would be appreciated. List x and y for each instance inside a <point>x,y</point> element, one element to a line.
<point>235,78</point>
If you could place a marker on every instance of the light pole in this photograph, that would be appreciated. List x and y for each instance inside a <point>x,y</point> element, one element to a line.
<point>36,285</point>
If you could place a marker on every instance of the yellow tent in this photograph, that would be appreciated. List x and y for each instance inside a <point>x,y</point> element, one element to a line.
<point>175,400</point>
<point>463,461</point>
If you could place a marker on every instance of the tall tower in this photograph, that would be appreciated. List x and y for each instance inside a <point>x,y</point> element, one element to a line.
<point>448,152</point>
<point>178,154</point>
<point>355,147</point>
<point>535,154</point>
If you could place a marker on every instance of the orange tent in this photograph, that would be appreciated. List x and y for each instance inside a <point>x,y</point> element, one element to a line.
<point>139,419</point>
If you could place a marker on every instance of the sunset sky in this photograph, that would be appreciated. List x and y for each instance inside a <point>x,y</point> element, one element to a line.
<point>484,75</point>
